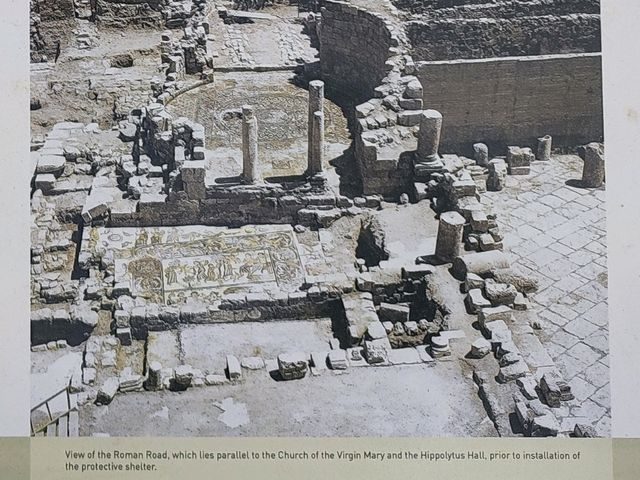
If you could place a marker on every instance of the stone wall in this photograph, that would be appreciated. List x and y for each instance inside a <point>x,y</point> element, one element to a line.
<point>511,101</point>
<point>50,25</point>
<point>55,10</point>
<point>496,9</point>
<point>363,56</point>
<point>119,13</point>
<point>487,38</point>
<point>354,46</point>
<point>238,205</point>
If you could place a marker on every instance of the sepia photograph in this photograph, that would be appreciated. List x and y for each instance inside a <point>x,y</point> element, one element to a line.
<point>318,218</point>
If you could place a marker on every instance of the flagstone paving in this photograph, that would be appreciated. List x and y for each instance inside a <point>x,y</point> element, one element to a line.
<point>557,232</point>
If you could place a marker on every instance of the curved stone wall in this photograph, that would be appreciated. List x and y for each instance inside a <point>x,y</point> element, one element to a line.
<point>354,48</point>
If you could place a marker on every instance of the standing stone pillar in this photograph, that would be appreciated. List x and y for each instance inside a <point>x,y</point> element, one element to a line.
<point>449,239</point>
<point>193,175</point>
<point>316,104</point>
<point>429,136</point>
<point>593,170</point>
<point>481,154</point>
<point>250,167</point>
<point>544,148</point>
<point>497,173</point>
<point>154,381</point>
<point>317,146</point>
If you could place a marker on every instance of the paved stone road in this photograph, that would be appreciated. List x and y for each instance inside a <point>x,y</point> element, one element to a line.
<point>558,232</point>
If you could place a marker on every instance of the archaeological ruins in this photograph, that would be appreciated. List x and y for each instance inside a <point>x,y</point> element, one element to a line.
<point>318,218</point>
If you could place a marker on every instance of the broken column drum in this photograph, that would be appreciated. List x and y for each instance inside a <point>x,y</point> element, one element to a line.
<point>593,170</point>
<point>429,136</point>
<point>315,140</point>
<point>449,240</point>
<point>544,148</point>
<point>481,154</point>
<point>250,168</point>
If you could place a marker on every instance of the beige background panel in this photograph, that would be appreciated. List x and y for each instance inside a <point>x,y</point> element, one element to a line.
<point>14,458</point>
<point>594,463</point>
<point>626,458</point>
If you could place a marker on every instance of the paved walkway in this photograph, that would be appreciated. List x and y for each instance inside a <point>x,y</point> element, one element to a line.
<point>558,232</point>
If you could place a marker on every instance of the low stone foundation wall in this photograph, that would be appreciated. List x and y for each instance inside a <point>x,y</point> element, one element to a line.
<point>240,205</point>
<point>249,308</point>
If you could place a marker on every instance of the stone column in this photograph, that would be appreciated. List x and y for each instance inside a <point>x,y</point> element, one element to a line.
<point>544,148</point>
<point>429,136</point>
<point>593,170</point>
<point>449,239</point>
<point>316,104</point>
<point>250,167</point>
<point>317,145</point>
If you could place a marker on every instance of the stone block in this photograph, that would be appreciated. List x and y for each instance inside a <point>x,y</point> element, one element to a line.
<point>404,356</point>
<point>124,335</point>
<point>584,431</point>
<point>500,293</point>
<point>107,391</point>
<point>416,272</point>
<point>513,371</point>
<point>554,389</point>
<point>337,360</point>
<point>473,281</point>
<point>45,181</point>
<point>234,370</point>
<point>518,157</point>
<point>480,348</point>
<point>475,301</point>
<point>544,426</point>
<point>376,330</point>
<point>53,164</point>
<point>479,221</point>
<point>409,118</point>
<point>292,366</point>
<point>214,380</point>
<point>183,374</point>
<point>89,375</point>
<point>393,312</point>
<point>252,363</point>
<point>377,351</point>
<point>527,387</point>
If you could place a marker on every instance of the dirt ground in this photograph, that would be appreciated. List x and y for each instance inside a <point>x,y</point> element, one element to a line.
<point>412,400</point>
